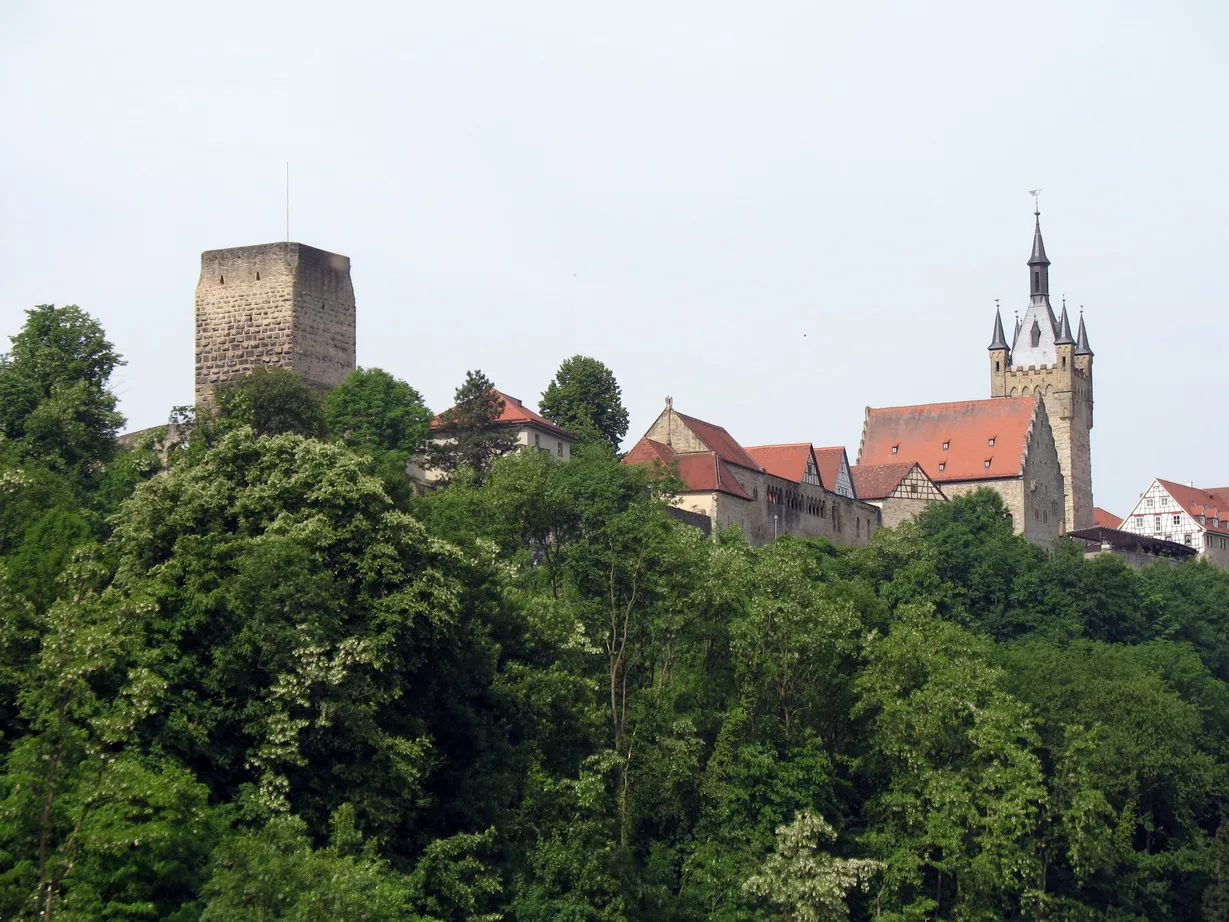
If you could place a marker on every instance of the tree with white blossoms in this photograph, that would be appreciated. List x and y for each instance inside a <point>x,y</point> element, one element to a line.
<point>804,883</point>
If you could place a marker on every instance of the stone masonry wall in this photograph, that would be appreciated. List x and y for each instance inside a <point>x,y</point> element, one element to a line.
<point>818,513</point>
<point>282,304</point>
<point>1066,390</point>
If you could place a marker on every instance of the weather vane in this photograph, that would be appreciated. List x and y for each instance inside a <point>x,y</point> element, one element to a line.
<point>1036,194</point>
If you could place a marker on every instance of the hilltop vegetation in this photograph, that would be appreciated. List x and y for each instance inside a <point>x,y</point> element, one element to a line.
<point>263,681</point>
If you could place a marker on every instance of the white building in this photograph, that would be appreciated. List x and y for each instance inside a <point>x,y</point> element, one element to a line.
<point>1186,515</point>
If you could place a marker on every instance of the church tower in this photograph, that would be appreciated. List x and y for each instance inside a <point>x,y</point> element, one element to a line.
<point>1045,360</point>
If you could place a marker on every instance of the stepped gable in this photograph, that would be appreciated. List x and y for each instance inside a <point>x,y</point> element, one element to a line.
<point>1102,518</point>
<point>919,433</point>
<point>829,459</point>
<point>1211,504</point>
<point>789,462</point>
<point>700,471</point>
<point>515,413</point>
<point>877,481</point>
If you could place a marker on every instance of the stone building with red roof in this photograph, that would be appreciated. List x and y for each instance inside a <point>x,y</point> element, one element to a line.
<point>1187,515</point>
<point>764,490</point>
<point>900,489</point>
<point>528,428</point>
<point>1006,445</point>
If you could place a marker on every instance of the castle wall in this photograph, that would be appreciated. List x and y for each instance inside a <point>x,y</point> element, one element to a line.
<point>281,304</point>
<point>1066,390</point>
<point>801,509</point>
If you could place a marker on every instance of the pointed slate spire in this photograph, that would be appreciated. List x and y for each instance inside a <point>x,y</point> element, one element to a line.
<point>1038,256</point>
<point>1039,266</point>
<point>999,341</point>
<point>1081,340</point>
<point>1064,330</point>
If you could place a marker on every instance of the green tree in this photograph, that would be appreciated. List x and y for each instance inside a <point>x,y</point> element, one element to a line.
<point>373,411</point>
<point>804,883</point>
<point>272,401</point>
<point>585,399</point>
<point>469,434</point>
<point>1216,897</point>
<point>55,405</point>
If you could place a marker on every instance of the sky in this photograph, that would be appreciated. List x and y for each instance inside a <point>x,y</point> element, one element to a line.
<point>777,213</point>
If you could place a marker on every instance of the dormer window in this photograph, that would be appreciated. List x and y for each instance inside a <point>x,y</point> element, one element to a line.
<point>947,445</point>
<point>942,466</point>
<point>990,441</point>
<point>987,462</point>
<point>895,448</point>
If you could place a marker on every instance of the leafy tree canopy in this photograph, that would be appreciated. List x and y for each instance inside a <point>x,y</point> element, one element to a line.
<point>55,405</point>
<point>272,401</point>
<point>585,399</point>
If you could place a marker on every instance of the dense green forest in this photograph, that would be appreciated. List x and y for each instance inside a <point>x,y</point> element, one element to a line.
<point>256,678</point>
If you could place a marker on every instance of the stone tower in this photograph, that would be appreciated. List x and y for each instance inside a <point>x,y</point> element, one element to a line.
<point>1046,360</point>
<point>283,304</point>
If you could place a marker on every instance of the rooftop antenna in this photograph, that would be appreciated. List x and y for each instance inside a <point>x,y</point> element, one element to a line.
<point>287,201</point>
<point>1036,194</point>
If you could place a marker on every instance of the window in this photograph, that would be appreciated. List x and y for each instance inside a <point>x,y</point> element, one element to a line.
<point>537,440</point>
<point>947,445</point>
<point>1177,520</point>
<point>996,366</point>
<point>987,462</point>
<point>1064,361</point>
<point>1139,522</point>
<point>990,441</point>
<point>895,448</point>
<point>1188,540</point>
<point>1034,334</point>
<point>942,466</point>
<point>1149,502</point>
<point>560,449</point>
<point>1036,283</point>
<point>1156,522</point>
<point>913,488</point>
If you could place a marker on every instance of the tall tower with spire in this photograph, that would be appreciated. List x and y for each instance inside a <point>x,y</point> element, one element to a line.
<point>1045,360</point>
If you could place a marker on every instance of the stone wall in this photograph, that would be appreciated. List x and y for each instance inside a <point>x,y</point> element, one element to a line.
<point>801,509</point>
<point>1066,390</point>
<point>282,304</point>
<point>896,509</point>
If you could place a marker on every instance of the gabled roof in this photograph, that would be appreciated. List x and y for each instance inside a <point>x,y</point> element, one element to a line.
<point>918,433</point>
<point>720,441</point>
<point>1102,518</point>
<point>515,413</point>
<point>700,471</point>
<point>789,462</point>
<point>1211,504</point>
<point>877,481</point>
<point>829,460</point>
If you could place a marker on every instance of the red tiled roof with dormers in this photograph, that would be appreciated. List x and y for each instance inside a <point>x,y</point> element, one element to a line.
<point>829,459</point>
<point>720,441</point>
<point>877,481</point>
<point>1212,505</point>
<point>1104,519</point>
<point>919,433</point>
<point>515,413</point>
<point>700,471</point>
<point>789,462</point>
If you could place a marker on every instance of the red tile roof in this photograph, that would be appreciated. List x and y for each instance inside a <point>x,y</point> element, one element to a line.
<point>828,460</point>
<point>1104,519</point>
<point>919,433</point>
<point>789,462</point>
<point>700,471</point>
<point>877,481</point>
<point>515,413</point>
<point>1211,504</point>
<point>720,441</point>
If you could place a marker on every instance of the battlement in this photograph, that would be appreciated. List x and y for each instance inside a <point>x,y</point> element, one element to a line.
<point>283,304</point>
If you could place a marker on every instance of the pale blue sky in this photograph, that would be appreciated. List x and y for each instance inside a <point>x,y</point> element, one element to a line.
<point>681,189</point>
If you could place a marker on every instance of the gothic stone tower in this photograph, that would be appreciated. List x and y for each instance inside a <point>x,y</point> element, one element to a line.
<point>1044,359</point>
<point>283,304</point>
